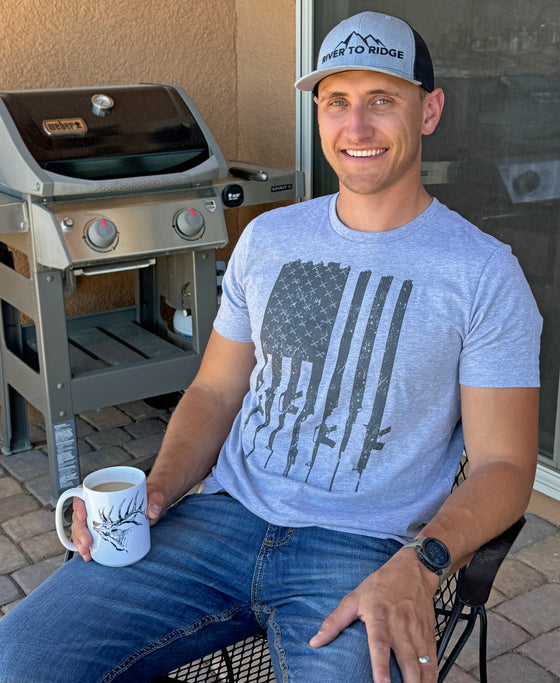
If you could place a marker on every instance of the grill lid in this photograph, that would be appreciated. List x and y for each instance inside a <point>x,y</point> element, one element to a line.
<point>110,139</point>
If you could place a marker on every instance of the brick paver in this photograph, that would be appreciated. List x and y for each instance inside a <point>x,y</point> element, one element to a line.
<point>28,578</point>
<point>108,437</point>
<point>9,592</point>
<point>83,428</point>
<point>142,448</point>
<point>9,487</point>
<point>457,675</point>
<point>495,598</point>
<point>106,457</point>
<point>40,488</point>
<point>11,557</point>
<point>145,428</point>
<point>106,418</point>
<point>140,410</point>
<point>26,465</point>
<point>544,557</point>
<point>514,668</point>
<point>503,635</point>
<point>536,530</point>
<point>545,650</point>
<point>42,547</point>
<point>15,506</point>
<point>516,577</point>
<point>84,447</point>
<point>30,524</point>
<point>537,611</point>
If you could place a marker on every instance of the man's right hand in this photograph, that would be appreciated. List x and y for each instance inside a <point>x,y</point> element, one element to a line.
<point>156,502</point>
<point>81,536</point>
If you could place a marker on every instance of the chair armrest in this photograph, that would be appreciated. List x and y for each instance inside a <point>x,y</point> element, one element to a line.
<point>481,571</point>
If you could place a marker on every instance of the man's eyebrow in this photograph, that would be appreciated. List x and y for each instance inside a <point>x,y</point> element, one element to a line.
<point>377,91</point>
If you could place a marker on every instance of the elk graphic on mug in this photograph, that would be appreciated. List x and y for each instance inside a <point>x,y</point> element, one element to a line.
<point>116,531</point>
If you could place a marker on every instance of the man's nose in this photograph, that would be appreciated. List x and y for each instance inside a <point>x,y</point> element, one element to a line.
<point>358,122</point>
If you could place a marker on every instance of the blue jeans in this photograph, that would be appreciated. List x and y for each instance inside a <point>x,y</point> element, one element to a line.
<point>216,574</point>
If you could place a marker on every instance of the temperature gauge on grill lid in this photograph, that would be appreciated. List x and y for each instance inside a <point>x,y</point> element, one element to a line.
<point>102,105</point>
<point>189,223</point>
<point>101,234</point>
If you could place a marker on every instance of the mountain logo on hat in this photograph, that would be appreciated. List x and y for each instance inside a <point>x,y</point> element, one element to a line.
<point>356,44</point>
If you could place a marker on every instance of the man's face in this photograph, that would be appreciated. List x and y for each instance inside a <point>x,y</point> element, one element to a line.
<point>371,126</point>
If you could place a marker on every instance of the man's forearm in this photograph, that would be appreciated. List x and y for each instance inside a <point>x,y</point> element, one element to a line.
<point>201,420</point>
<point>492,498</point>
<point>500,427</point>
<point>192,442</point>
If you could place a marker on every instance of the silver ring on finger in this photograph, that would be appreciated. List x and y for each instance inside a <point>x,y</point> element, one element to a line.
<point>425,659</point>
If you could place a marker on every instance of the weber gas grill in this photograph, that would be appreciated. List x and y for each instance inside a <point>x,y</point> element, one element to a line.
<point>94,180</point>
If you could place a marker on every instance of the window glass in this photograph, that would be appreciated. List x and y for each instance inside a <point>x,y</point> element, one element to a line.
<point>495,156</point>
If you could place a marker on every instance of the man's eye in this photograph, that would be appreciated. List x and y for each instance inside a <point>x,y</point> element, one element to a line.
<point>382,100</point>
<point>337,103</point>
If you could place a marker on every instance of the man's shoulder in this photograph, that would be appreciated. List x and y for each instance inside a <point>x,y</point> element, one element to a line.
<point>463,232</point>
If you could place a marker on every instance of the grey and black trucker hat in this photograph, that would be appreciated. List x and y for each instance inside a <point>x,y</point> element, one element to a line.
<point>373,42</point>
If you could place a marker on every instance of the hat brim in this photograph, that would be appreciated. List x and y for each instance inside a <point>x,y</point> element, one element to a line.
<point>309,82</point>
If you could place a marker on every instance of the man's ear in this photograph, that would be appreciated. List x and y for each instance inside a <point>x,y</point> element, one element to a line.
<point>433,108</point>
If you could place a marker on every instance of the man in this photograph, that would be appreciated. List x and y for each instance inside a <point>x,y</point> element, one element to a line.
<point>363,340</point>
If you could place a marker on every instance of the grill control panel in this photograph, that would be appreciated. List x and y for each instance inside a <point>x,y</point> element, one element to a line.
<point>102,230</point>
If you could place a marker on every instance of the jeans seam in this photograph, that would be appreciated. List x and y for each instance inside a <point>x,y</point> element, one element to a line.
<point>256,584</point>
<point>278,649</point>
<point>167,639</point>
<point>260,610</point>
<point>266,545</point>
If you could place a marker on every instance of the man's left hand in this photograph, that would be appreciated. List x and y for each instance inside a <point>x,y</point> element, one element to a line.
<point>396,605</point>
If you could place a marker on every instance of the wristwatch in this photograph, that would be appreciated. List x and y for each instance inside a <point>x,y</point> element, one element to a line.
<point>433,554</point>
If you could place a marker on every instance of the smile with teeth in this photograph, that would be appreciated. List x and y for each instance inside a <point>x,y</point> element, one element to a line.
<point>364,152</point>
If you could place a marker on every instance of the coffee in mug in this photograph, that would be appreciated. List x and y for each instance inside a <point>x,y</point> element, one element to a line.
<point>116,503</point>
<point>113,486</point>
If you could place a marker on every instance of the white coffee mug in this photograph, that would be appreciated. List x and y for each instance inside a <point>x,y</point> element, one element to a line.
<point>116,503</point>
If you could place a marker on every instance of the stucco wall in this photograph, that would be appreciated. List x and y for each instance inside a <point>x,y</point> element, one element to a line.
<point>265,39</point>
<point>266,63</point>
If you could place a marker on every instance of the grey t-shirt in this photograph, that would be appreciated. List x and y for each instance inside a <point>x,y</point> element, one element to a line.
<point>352,421</point>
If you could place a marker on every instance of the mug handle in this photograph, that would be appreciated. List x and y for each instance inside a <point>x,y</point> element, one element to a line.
<point>70,493</point>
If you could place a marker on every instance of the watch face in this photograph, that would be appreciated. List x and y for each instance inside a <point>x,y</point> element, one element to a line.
<point>437,553</point>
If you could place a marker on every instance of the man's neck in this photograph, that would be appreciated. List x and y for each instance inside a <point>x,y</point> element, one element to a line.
<point>386,210</point>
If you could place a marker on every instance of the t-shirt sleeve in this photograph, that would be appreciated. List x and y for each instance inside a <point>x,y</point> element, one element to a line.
<point>501,348</point>
<point>232,320</point>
